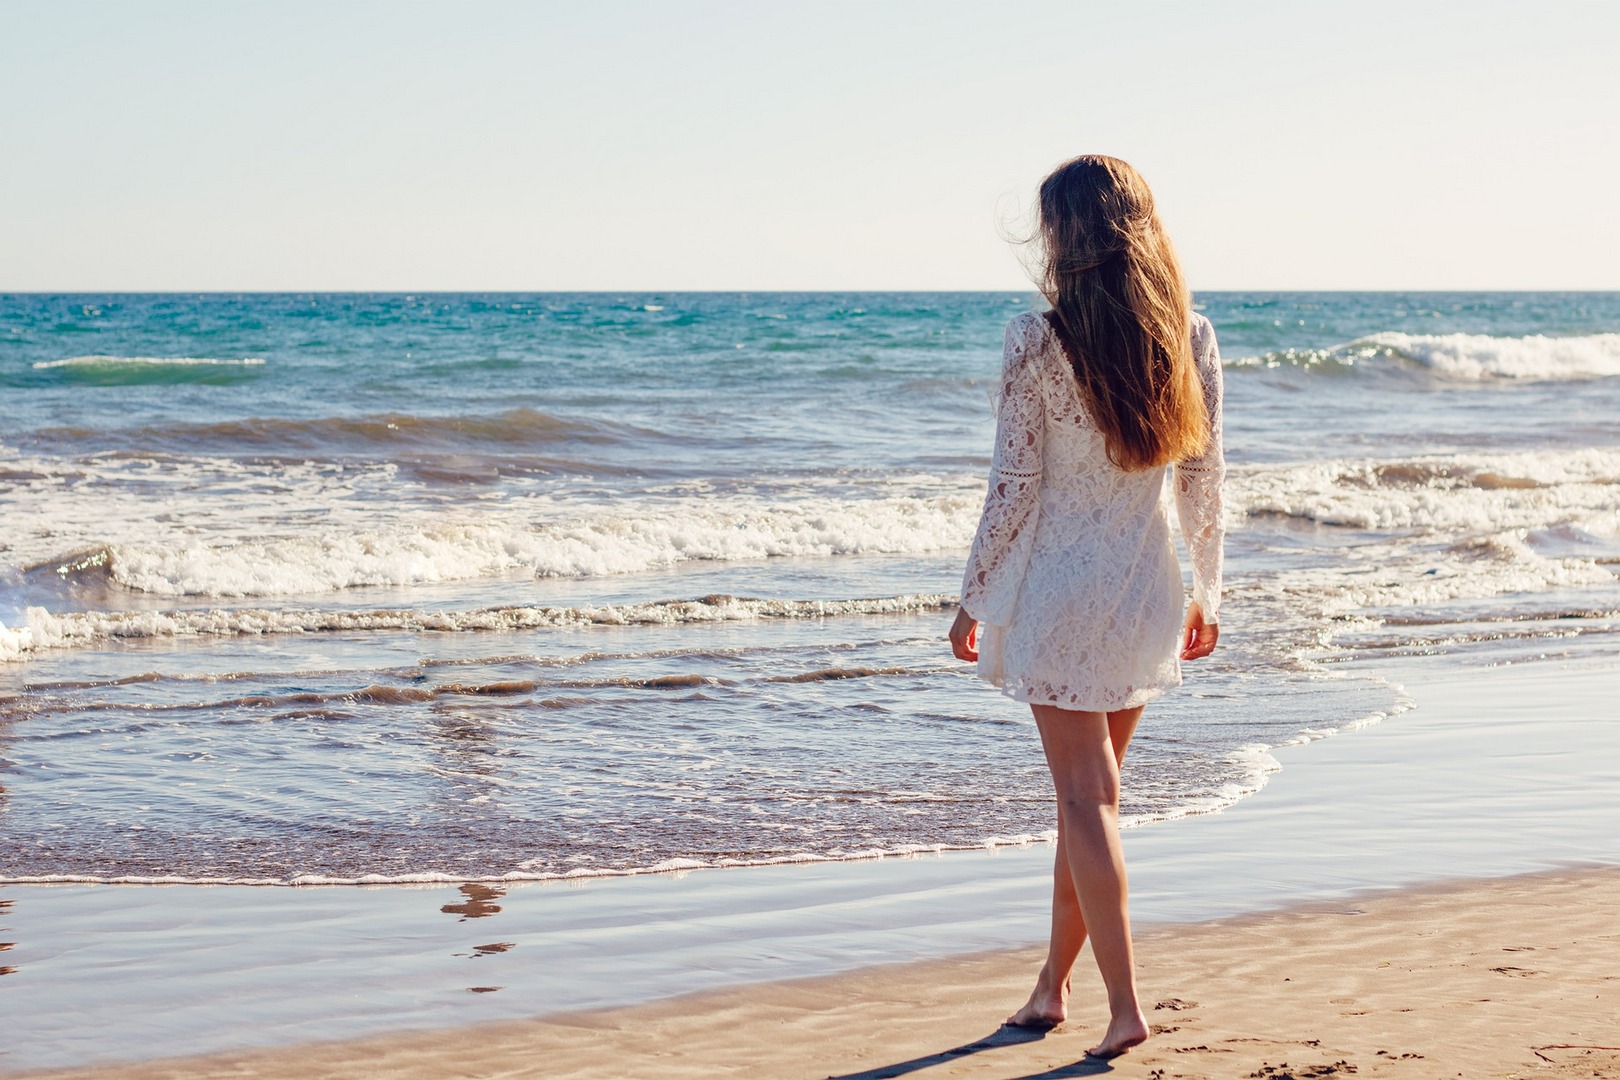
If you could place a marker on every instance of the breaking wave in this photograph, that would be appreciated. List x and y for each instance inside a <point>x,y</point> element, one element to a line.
<point>1441,528</point>
<point>1460,494</point>
<point>1460,357</point>
<point>588,547</point>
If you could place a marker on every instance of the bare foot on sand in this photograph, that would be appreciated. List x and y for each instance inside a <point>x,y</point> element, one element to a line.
<point>1123,1033</point>
<point>1047,1007</point>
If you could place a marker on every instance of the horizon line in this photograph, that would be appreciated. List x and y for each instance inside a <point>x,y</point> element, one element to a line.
<point>734,292</point>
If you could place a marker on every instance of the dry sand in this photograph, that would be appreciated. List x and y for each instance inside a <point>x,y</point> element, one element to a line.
<point>1511,977</point>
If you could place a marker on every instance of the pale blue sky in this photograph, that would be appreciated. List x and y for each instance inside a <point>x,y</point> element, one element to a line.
<point>481,144</point>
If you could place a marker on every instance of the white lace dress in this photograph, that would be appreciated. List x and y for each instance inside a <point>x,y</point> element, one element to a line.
<point>1072,575</point>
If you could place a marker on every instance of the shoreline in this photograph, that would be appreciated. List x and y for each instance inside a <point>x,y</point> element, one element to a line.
<point>1402,804</point>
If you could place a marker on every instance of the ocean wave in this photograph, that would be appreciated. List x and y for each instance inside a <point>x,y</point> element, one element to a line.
<point>592,546</point>
<point>1382,576</point>
<point>40,629</point>
<point>144,361</point>
<point>149,370</point>
<point>1448,494</point>
<point>1436,529</point>
<point>1459,357</point>
<point>524,428</point>
<point>315,703</point>
<point>1475,523</point>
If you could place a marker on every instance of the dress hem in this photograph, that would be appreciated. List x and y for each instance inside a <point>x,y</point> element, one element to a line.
<point>1133,701</point>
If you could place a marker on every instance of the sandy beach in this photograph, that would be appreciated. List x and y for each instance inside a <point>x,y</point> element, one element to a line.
<point>1440,886</point>
<point>1508,978</point>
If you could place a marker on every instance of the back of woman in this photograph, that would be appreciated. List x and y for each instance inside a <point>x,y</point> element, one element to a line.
<point>1072,600</point>
<point>1072,573</point>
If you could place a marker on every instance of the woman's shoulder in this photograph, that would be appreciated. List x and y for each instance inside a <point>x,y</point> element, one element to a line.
<point>1027,333</point>
<point>1203,339</point>
<point>1029,323</point>
<point>1202,328</point>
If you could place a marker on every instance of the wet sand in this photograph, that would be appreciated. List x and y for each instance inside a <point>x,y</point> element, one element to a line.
<point>1515,977</point>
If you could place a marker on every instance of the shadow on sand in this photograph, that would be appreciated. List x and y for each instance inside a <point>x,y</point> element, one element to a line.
<point>1002,1036</point>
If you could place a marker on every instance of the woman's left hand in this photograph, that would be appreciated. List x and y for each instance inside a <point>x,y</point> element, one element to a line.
<point>965,636</point>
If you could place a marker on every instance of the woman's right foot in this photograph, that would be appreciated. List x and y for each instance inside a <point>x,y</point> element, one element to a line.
<point>1047,1007</point>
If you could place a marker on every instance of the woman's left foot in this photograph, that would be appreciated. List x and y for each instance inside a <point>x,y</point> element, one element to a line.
<point>1028,1021</point>
<point>1123,1033</point>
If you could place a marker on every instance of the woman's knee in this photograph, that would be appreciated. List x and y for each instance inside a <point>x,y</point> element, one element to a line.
<point>1087,794</point>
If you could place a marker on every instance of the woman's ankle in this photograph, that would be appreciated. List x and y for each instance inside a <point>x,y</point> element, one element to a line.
<point>1124,1008</point>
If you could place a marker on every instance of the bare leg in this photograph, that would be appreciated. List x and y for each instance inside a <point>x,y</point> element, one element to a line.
<point>1080,750</point>
<point>1048,1002</point>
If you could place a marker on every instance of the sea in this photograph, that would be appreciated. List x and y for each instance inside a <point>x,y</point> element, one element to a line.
<point>362,588</point>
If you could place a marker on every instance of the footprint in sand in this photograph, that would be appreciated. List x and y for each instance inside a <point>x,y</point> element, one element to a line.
<point>1177,1004</point>
<point>1306,1072</point>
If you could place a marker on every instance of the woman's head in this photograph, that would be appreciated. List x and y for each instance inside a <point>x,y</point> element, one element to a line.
<point>1122,310</point>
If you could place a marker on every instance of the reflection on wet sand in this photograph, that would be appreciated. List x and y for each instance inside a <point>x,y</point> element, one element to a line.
<point>478,903</point>
<point>491,949</point>
<point>5,905</point>
<point>5,909</point>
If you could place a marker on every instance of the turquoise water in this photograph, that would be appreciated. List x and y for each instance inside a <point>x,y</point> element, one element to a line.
<point>334,588</point>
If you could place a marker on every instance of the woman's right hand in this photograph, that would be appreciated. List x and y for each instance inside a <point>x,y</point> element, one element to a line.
<point>1198,637</point>
<point>965,636</point>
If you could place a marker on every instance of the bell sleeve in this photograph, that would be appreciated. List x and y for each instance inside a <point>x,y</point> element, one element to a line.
<point>1006,533</point>
<point>1198,484</point>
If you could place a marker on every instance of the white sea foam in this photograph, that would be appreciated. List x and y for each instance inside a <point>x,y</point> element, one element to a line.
<point>605,543</point>
<point>1470,525</point>
<point>40,629</point>
<point>664,866</point>
<point>1449,494</point>
<point>1436,529</point>
<point>16,641</point>
<point>1463,496</point>
<point>1382,576</point>
<point>1481,357</point>
<point>1462,357</point>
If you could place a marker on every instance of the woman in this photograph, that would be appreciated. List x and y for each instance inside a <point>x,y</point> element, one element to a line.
<point>1072,600</point>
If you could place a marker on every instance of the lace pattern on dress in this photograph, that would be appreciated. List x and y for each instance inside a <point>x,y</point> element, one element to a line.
<point>1006,532</point>
<point>1198,484</point>
<point>1072,574</point>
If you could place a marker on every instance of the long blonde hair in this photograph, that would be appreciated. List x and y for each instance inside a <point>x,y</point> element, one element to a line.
<point>1122,311</point>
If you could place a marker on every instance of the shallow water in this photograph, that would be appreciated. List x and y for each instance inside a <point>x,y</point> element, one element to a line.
<point>360,588</point>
